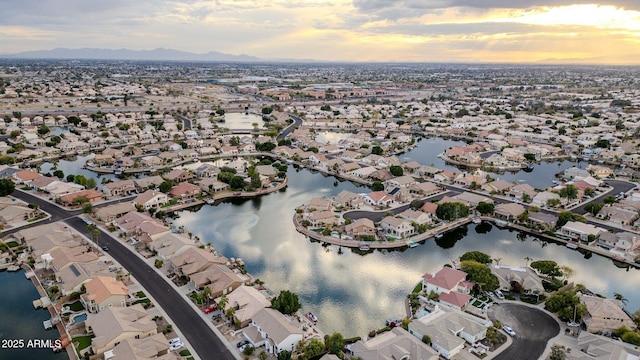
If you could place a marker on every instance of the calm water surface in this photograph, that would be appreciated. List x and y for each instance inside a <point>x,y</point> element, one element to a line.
<point>19,320</point>
<point>241,121</point>
<point>353,293</point>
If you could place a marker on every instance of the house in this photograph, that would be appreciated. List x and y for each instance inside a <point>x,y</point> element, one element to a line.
<point>273,330</point>
<point>194,260</point>
<point>267,171</point>
<point>148,183</point>
<point>574,172</point>
<point>151,199</point>
<point>319,204</point>
<point>604,315</point>
<point>219,278</point>
<point>472,199</point>
<point>246,301</point>
<point>111,212</point>
<point>580,231</point>
<point>541,220</point>
<point>417,217</point>
<point>541,199</point>
<point>322,218</point>
<point>508,211</point>
<point>401,182</point>
<point>152,347</point>
<point>522,192</point>
<point>454,299</point>
<point>449,330</point>
<point>116,324</point>
<point>120,188</point>
<point>178,175</point>
<point>595,347</point>
<point>397,227</point>
<point>618,214</point>
<point>90,195</point>
<point>517,277</point>
<point>185,191</point>
<point>424,189</point>
<point>361,227</point>
<point>379,198</point>
<point>445,280</point>
<point>347,200</point>
<point>497,186</point>
<point>137,223</point>
<point>394,344</point>
<point>103,292</point>
<point>168,244</point>
<point>212,185</point>
<point>25,176</point>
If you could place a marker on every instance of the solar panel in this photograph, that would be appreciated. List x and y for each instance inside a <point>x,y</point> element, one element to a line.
<point>74,269</point>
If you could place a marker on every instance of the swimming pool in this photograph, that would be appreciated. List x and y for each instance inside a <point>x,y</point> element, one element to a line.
<point>79,319</point>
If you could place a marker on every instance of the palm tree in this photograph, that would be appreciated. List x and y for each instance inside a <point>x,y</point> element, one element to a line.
<point>497,260</point>
<point>527,259</point>
<point>222,303</point>
<point>620,297</point>
<point>206,293</point>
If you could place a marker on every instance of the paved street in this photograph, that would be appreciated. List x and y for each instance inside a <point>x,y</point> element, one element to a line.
<point>203,340</point>
<point>533,327</point>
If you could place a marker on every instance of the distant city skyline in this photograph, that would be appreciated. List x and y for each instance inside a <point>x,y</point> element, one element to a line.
<point>521,31</point>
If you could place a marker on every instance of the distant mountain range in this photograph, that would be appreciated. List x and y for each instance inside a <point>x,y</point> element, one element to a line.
<point>127,54</point>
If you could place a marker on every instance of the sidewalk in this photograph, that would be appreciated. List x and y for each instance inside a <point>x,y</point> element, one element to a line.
<point>232,349</point>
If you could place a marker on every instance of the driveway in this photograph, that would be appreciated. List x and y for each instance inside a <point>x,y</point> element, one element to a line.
<point>533,328</point>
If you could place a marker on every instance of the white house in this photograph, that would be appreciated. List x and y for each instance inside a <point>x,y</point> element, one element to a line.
<point>273,330</point>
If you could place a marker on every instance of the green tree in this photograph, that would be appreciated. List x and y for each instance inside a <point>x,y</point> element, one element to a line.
<point>165,186</point>
<point>43,129</point>
<point>566,304</point>
<point>87,208</point>
<point>284,355</point>
<point>59,174</point>
<point>286,302</point>
<point>396,170</point>
<point>234,141</point>
<point>480,274</point>
<point>377,186</point>
<point>530,156</point>
<point>570,192</point>
<point>547,267</point>
<point>256,183</point>
<point>485,208</point>
<point>610,199</point>
<point>237,183</point>
<point>314,348</point>
<point>267,110</point>
<point>477,256</point>
<point>334,343</point>
<point>90,183</point>
<point>7,187</point>
<point>426,339</point>
<point>452,211</point>
<point>593,208</point>
<point>417,204</point>
<point>376,150</point>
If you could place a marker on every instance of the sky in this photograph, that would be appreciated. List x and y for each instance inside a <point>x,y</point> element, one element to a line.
<point>335,30</point>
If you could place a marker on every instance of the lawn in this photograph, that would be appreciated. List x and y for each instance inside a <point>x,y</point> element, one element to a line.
<point>12,244</point>
<point>83,342</point>
<point>141,294</point>
<point>184,353</point>
<point>418,288</point>
<point>76,306</point>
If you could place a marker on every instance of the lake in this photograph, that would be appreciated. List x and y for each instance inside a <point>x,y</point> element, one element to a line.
<point>241,121</point>
<point>353,293</point>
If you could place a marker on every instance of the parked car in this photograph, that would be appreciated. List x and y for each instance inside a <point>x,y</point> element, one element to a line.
<point>105,248</point>
<point>175,341</point>
<point>242,343</point>
<point>509,330</point>
<point>210,308</point>
<point>573,324</point>
<point>499,294</point>
<point>176,346</point>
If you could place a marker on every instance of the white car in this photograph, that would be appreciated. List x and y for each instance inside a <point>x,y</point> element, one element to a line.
<point>176,346</point>
<point>499,294</point>
<point>174,341</point>
<point>509,330</point>
<point>573,324</point>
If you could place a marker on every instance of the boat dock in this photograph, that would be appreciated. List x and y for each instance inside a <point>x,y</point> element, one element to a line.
<point>47,325</point>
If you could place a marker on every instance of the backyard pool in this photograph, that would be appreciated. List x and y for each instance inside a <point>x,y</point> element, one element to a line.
<point>79,319</point>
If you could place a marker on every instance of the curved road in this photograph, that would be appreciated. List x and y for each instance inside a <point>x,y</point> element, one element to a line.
<point>203,340</point>
<point>286,131</point>
<point>534,328</point>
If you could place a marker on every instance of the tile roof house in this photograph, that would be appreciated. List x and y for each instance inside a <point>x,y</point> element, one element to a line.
<point>116,324</point>
<point>595,347</point>
<point>120,188</point>
<point>526,278</point>
<point>394,344</point>
<point>194,260</point>
<point>321,218</point>
<point>273,330</point>
<point>379,198</point>
<point>449,330</point>
<point>103,292</point>
<point>26,176</point>
<point>155,347</point>
<point>185,191</point>
<point>168,244</point>
<point>91,195</point>
<point>397,227</point>
<point>580,231</point>
<point>111,212</point>
<point>444,281</point>
<point>151,199</point>
<point>604,315</point>
<point>247,301</point>
<point>360,227</point>
<point>219,278</point>
<point>508,211</point>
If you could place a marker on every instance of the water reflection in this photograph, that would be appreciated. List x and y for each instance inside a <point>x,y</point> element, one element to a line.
<point>241,121</point>
<point>352,292</point>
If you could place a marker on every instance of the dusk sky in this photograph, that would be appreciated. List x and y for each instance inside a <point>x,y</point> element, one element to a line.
<point>335,30</point>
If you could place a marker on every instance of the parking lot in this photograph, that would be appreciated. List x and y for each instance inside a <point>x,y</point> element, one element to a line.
<point>533,328</point>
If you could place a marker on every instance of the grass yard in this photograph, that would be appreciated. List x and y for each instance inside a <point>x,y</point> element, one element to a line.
<point>83,342</point>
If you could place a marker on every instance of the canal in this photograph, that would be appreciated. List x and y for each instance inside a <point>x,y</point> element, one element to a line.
<point>351,292</point>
